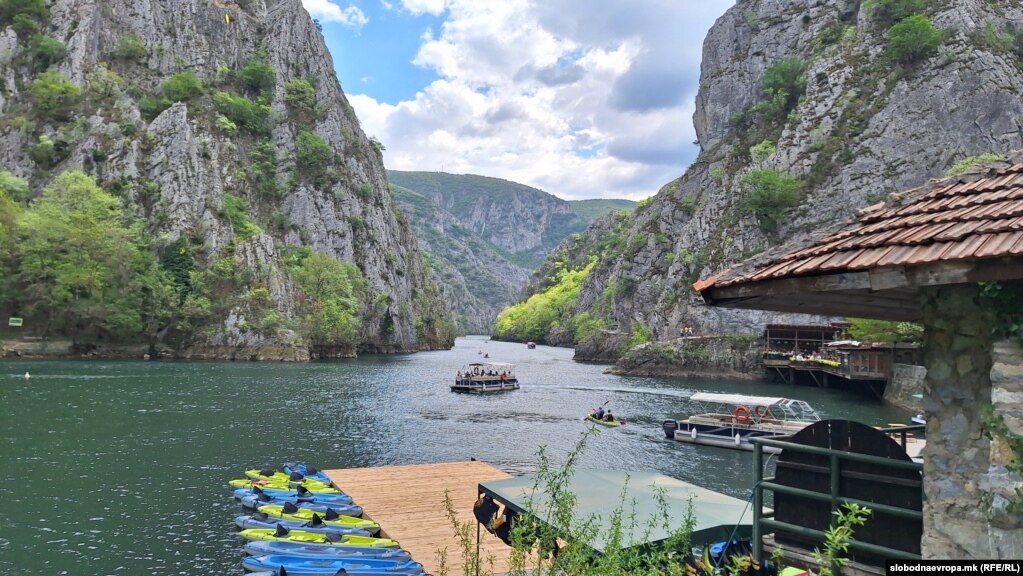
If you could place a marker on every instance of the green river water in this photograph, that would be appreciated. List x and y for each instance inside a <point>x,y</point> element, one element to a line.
<point>121,467</point>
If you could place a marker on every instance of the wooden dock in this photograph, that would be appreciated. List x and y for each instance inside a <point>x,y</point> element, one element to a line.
<point>408,503</point>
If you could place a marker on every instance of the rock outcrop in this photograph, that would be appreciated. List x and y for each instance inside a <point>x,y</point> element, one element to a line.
<point>867,126</point>
<point>176,169</point>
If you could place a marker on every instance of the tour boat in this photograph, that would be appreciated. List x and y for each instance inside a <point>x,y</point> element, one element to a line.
<point>730,420</point>
<point>486,377</point>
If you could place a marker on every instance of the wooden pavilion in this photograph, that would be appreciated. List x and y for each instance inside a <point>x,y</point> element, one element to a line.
<point>921,256</point>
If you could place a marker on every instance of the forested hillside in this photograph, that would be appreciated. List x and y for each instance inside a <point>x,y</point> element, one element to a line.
<point>188,174</point>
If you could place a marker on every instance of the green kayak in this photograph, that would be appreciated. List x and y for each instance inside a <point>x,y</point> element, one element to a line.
<point>306,515</point>
<point>310,485</point>
<point>282,534</point>
<point>608,423</point>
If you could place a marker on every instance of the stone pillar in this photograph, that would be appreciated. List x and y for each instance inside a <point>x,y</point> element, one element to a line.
<point>959,465</point>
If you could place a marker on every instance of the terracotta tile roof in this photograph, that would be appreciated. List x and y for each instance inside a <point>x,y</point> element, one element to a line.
<point>975,215</point>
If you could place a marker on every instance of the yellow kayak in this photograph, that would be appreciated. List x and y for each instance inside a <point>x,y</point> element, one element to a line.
<point>278,476</point>
<point>310,485</point>
<point>282,534</point>
<point>306,515</point>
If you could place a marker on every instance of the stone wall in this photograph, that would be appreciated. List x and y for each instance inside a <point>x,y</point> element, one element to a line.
<point>965,481</point>
<point>906,381</point>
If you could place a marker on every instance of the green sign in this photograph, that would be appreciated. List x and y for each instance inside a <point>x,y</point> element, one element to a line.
<point>14,321</point>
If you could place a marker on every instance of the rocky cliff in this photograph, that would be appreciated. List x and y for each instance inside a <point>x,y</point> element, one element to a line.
<point>266,124</point>
<point>483,236</point>
<point>805,113</point>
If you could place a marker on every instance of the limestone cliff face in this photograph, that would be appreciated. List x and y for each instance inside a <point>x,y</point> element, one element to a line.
<point>176,169</point>
<point>866,127</point>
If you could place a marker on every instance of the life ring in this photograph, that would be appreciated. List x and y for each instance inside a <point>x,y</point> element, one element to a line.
<point>741,414</point>
<point>762,412</point>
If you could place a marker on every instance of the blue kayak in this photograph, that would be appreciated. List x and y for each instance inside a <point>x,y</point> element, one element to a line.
<point>317,525</point>
<point>280,497</point>
<point>318,507</point>
<point>305,470</point>
<point>266,548</point>
<point>283,572</point>
<point>295,565</point>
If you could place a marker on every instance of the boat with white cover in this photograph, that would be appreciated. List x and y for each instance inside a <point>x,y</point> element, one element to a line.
<point>730,420</point>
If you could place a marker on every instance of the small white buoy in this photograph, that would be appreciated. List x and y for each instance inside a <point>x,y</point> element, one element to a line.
<point>692,433</point>
<point>27,375</point>
<point>737,439</point>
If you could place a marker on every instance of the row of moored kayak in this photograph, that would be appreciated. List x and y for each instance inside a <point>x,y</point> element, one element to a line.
<point>297,522</point>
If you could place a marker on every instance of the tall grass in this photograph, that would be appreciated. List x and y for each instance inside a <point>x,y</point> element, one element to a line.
<point>550,538</point>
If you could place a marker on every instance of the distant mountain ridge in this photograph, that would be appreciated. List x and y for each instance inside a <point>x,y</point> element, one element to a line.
<point>482,237</point>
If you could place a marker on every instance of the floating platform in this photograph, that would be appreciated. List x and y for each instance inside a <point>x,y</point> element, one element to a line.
<point>408,503</point>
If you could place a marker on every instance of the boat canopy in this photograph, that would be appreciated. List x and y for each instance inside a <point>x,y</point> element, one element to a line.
<point>785,408</point>
<point>737,399</point>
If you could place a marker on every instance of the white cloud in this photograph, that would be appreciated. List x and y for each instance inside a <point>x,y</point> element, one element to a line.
<point>328,11</point>
<point>581,98</point>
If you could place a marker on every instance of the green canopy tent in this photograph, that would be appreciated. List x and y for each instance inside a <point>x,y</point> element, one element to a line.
<point>600,492</point>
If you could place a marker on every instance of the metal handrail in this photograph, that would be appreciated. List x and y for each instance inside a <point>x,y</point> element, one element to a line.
<point>762,521</point>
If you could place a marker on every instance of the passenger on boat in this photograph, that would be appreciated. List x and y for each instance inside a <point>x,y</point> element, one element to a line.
<point>609,417</point>
<point>599,413</point>
<point>504,376</point>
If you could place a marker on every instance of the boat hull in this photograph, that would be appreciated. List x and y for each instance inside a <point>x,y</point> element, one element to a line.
<point>481,387</point>
<point>723,436</point>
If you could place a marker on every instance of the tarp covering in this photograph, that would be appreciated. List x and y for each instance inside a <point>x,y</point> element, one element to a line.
<point>599,492</point>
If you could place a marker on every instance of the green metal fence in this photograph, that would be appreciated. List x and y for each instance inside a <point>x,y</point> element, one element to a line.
<point>763,523</point>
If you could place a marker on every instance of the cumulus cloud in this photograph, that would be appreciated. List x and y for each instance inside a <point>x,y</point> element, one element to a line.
<point>581,98</point>
<point>328,11</point>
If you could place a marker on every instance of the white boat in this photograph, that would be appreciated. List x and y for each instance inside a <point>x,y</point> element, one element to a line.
<point>730,420</point>
<point>486,377</point>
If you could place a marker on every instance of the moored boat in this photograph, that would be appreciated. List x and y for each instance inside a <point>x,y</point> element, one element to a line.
<point>306,470</point>
<point>282,534</point>
<point>289,511</point>
<point>299,565</point>
<point>317,524</point>
<point>319,507</point>
<point>278,484</point>
<point>295,549</point>
<point>730,420</point>
<point>482,377</point>
<point>270,495</point>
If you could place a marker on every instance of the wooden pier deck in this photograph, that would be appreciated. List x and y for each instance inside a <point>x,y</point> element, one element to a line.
<point>408,503</point>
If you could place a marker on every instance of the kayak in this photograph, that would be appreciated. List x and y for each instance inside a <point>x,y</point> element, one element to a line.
<point>290,511</point>
<point>294,565</point>
<point>265,547</point>
<point>320,507</point>
<point>317,525</point>
<point>284,572</point>
<point>306,470</point>
<point>609,423</point>
<point>285,535</point>
<point>310,485</point>
<point>278,477</point>
<point>301,494</point>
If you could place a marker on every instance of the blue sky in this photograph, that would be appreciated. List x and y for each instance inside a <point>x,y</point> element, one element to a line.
<point>580,98</point>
